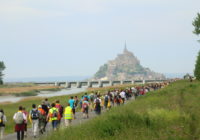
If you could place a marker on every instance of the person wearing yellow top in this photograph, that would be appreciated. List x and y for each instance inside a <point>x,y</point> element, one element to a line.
<point>68,115</point>
<point>54,116</point>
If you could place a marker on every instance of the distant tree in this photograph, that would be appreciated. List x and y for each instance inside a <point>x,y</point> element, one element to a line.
<point>2,67</point>
<point>196,24</point>
<point>197,67</point>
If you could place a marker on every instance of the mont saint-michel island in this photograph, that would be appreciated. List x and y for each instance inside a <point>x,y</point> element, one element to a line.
<point>126,66</point>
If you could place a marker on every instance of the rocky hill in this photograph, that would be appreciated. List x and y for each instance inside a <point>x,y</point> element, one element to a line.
<point>125,67</point>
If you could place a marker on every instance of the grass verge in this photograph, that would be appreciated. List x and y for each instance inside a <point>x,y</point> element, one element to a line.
<point>171,113</point>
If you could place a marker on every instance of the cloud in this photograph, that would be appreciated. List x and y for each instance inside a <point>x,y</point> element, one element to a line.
<point>87,6</point>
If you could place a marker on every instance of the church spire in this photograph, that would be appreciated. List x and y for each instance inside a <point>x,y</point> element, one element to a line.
<point>125,48</point>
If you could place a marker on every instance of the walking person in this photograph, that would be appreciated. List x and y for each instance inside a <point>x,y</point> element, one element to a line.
<point>53,116</point>
<point>106,99</point>
<point>85,108</point>
<point>123,96</point>
<point>97,103</point>
<point>46,102</point>
<point>34,119</point>
<point>68,115</point>
<point>117,99</point>
<point>81,102</point>
<point>19,118</point>
<point>46,109</point>
<point>72,105</point>
<point>76,101</point>
<point>25,122</point>
<point>3,120</point>
<point>42,119</point>
<point>102,101</point>
<point>60,109</point>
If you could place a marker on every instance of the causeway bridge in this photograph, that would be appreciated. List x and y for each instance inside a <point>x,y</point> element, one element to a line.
<point>91,84</point>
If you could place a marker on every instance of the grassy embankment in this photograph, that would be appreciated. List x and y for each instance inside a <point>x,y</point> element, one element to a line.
<point>11,108</point>
<point>171,113</point>
<point>28,89</point>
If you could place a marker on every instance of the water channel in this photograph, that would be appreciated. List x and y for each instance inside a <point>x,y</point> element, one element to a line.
<point>14,99</point>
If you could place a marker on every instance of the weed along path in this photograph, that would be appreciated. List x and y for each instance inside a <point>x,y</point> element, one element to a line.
<point>78,121</point>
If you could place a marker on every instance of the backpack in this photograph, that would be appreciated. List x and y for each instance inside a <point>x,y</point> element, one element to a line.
<point>85,105</point>
<point>42,115</point>
<point>117,99</point>
<point>106,98</point>
<point>19,119</point>
<point>97,102</point>
<point>45,108</point>
<point>34,114</point>
<point>1,119</point>
<point>54,113</point>
<point>60,108</point>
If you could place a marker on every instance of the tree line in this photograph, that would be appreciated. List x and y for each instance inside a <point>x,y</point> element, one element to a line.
<point>196,24</point>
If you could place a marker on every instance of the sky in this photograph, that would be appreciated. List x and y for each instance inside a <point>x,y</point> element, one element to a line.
<point>41,38</point>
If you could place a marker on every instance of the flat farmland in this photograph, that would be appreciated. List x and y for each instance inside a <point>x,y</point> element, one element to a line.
<point>10,90</point>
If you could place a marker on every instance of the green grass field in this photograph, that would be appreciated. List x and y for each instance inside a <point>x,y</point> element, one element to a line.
<point>171,113</point>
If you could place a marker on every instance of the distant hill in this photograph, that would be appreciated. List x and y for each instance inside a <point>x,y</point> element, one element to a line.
<point>125,67</point>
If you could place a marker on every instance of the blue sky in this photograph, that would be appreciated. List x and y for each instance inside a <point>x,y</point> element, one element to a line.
<point>74,37</point>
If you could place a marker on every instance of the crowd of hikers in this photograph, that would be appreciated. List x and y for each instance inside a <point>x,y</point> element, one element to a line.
<point>40,115</point>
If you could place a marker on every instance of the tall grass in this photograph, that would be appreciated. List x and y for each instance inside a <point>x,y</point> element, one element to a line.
<point>171,113</point>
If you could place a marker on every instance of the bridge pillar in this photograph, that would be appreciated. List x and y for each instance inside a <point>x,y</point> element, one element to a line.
<point>100,84</point>
<point>111,83</point>
<point>133,82</point>
<point>90,84</point>
<point>68,85</point>
<point>121,82</point>
<point>79,84</point>
<point>143,82</point>
<point>56,84</point>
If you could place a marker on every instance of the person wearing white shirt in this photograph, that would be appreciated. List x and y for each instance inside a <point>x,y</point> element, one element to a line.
<point>123,95</point>
<point>19,118</point>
